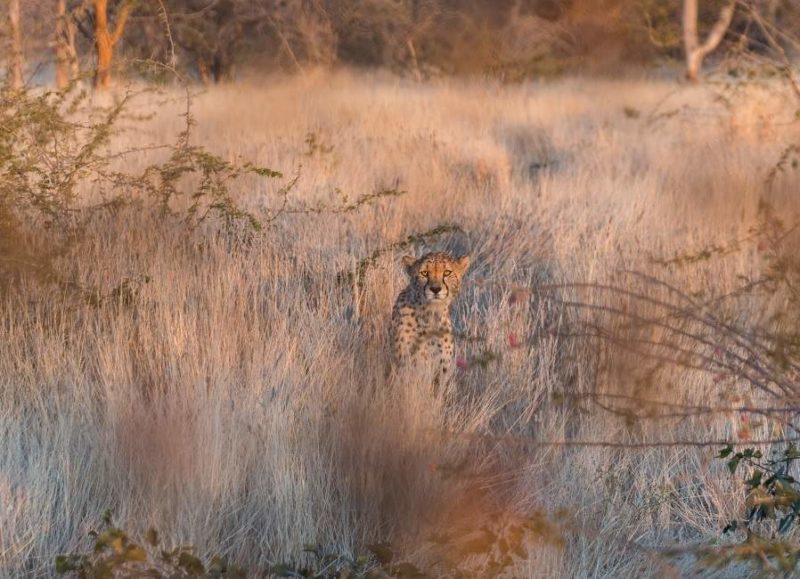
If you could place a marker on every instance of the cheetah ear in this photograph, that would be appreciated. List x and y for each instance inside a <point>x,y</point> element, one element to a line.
<point>462,263</point>
<point>408,263</point>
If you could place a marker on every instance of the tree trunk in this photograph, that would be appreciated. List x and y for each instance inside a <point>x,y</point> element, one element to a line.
<point>14,70</point>
<point>105,49</point>
<point>106,39</point>
<point>696,52</point>
<point>62,69</point>
<point>694,61</point>
<point>203,70</point>
<point>66,56</point>
<point>222,65</point>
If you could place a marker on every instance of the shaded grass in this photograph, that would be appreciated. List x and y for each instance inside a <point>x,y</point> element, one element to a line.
<point>237,402</point>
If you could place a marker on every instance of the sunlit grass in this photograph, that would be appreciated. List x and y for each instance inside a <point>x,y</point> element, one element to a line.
<point>239,401</point>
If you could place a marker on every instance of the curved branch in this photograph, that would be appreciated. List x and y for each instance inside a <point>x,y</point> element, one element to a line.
<point>122,19</point>
<point>719,29</point>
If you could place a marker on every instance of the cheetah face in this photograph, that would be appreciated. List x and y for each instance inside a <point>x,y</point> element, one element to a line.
<point>436,276</point>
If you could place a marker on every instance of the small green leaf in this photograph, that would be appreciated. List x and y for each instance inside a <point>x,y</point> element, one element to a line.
<point>62,564</point>
<point>383,552</point>
<point>786,523</point>
<point>190,563</point>
<point>135,553</point>
<point>406,570</point>
<point>283,570</point>
<point>755,480</point>
<point>151,536</point>
<point>263,171</point>
<point>69,563</point>
<point>362,560</point>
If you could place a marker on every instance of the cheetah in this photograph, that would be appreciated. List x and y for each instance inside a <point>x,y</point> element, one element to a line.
<point>421,329</point>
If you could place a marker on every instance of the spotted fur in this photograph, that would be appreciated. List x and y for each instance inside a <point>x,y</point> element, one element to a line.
<point>421,330</point>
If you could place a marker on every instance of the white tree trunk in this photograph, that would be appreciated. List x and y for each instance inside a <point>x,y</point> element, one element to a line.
<point>67,68</point>
<point>15,64</point>
<point>695,51</point>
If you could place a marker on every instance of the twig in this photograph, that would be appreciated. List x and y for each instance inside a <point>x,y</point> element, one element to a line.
<point>529,442</point>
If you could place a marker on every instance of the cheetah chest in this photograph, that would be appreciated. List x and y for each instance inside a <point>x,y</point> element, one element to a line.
<point>422,332</point>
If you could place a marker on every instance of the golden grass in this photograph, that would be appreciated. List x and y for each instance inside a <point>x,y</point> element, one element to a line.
<point>240,403</point>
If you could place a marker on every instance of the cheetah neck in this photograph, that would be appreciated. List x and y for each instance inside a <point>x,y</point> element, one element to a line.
<point>433,317</point>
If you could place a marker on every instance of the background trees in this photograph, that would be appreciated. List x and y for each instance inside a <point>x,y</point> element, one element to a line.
<point>210,40</point>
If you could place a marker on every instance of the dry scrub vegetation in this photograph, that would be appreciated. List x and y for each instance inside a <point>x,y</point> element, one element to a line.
<point>228,387</point>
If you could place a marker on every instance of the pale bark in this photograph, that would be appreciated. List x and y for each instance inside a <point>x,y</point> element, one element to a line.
<point>106,39</point>
<point>695,51</point>
<point>414,62</point>
<point>67,68</point>
<point>15,64</point>
<point>203,71</point>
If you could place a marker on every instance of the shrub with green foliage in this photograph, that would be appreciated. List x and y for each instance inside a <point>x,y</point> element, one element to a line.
<point>55,146</point>
<point>115,553</point>
<point>771,518</point>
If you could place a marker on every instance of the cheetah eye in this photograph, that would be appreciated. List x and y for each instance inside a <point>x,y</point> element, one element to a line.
<point>423,274</point>
<point>447,272</point>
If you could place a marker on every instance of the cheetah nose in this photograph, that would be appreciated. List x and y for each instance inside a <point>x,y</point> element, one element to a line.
<point>436,289</point>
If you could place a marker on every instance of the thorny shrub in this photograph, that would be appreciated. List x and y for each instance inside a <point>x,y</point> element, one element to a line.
<point>57,146</point>
<point>752,361</point>
<point>114,553</point>
<point>57,151</point>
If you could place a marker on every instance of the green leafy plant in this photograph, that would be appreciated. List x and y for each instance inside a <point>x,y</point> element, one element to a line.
<point>115,553</point>
<point>749,355</point>
<point>494,550</point>
<point>382,561</point>
<point>55,146</point>
<point>771,490</point>
<point>772,499</point>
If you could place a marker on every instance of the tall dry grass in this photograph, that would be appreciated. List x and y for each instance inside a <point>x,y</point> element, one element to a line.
<point>239,399</point>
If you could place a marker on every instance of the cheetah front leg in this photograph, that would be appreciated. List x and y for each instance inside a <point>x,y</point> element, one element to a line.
<point>444,362</point>
<point>404,334</point>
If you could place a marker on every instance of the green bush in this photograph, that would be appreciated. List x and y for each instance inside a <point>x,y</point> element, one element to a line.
<point>115,553</point>
<point>771,518</point>
<point>54,146</point>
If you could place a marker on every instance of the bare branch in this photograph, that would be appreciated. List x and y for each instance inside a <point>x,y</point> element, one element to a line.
<point>122,19</point>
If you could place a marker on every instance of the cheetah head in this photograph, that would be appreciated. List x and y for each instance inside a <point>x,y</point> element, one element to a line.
<point>436,276</point>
